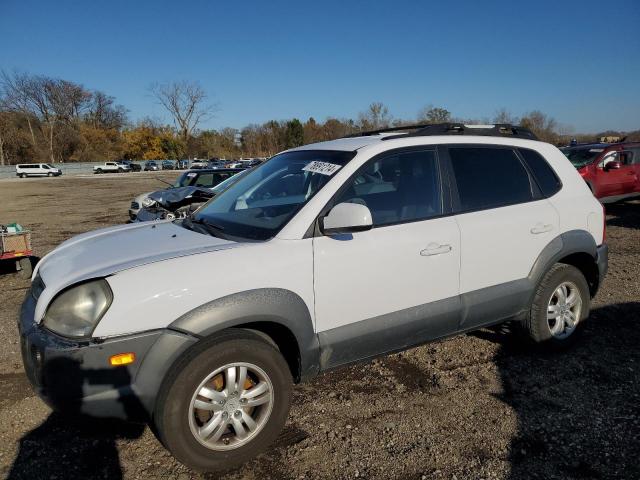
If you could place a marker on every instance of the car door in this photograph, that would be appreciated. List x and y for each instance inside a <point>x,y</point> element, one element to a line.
<point>616,181</point>
<point>635,161</point>
<point>395,285</point>
<point>505,223</point>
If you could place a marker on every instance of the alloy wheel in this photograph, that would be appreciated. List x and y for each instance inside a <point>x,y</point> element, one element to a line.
<point>564,310</point>
<point>230,406</point>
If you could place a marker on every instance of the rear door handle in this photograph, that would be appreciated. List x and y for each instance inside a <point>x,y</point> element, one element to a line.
<point>540,228</point>
<point>435,249</point>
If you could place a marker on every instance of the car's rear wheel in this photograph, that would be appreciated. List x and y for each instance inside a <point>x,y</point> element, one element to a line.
<point>22,175</point>
<point>99,170</point>
<point>561,303</point>
<point>224,401</point>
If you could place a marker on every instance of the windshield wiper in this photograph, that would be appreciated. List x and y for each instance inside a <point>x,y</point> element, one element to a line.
<point>209,227</point>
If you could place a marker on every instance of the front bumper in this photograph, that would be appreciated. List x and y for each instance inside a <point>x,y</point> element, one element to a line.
<point>76,377</point>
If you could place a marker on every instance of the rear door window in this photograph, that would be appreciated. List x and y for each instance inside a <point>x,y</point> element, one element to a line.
<point>489,177</point>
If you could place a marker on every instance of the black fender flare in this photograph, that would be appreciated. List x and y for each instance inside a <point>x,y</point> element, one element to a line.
<point>273,305</point>
<point>567,243</point>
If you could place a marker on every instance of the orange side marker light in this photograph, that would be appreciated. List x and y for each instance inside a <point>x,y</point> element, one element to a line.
<point>122,359</point>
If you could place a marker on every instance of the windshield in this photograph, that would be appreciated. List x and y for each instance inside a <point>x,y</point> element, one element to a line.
<point>580,157</point>
<point>204,180</point>
<point>258,205</point>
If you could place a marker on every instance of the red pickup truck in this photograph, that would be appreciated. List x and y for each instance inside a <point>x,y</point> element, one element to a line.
<point>612,170</point>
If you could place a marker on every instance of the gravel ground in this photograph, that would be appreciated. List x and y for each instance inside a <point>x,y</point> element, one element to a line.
<point>477,406</point>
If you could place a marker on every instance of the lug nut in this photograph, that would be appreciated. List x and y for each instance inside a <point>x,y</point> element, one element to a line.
<point>243,400</point>
<point>225,415</point>
<point>238,413</point>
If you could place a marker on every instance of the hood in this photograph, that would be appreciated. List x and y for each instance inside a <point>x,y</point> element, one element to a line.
<point>175,197</point>
<point>107,251</point>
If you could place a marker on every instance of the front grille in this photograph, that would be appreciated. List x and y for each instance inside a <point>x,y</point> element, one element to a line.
<point>135,205</point>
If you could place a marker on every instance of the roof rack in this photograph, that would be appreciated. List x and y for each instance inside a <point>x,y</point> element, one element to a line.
<point>497,130</point>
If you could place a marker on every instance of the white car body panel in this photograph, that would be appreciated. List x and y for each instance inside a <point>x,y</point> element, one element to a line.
<point>384,270</point>
<point>108,251</point>
<point>156,294</point>
<point>488,254</point>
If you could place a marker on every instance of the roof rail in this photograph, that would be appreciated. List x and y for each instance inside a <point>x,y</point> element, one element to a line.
<point>497,130</point>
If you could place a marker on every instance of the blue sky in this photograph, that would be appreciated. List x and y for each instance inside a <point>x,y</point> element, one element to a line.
<point>578,61</point>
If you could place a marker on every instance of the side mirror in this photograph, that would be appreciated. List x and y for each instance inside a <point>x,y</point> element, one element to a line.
<point>612,165</point>
<point>347,218</point>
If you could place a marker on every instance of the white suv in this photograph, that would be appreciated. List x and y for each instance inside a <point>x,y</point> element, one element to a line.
<point>325,255</point>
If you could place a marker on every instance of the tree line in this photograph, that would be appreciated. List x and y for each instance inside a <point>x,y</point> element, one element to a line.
<point>44,119</point>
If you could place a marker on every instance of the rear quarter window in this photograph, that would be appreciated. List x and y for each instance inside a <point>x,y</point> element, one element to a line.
<point>546,178</point>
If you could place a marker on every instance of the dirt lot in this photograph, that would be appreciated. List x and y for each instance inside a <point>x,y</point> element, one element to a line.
<point>477,406</point>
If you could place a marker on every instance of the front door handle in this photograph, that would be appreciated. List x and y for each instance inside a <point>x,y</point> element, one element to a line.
<point>435,249</point>
<point>540,228</point>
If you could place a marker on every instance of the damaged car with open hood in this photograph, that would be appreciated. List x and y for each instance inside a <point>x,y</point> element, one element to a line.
<point>190,191</point>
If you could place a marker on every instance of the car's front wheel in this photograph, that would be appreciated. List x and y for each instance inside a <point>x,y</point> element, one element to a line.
<point>224,401</point>
<point>561,303</point>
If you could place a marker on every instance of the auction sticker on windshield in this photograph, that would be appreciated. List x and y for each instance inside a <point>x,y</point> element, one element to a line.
<point>324,168</point>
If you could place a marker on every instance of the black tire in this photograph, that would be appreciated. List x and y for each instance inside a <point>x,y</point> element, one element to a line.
<point>26,268</point>
<point>99,170</point>
<point>172,411</point>
<point>120,170</point>
<point>536,324</point>
<point>22,175</point>
<point>49,174</point>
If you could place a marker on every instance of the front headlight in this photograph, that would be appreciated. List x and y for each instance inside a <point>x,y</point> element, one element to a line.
<point>147,202</point>
<point>76,311</point>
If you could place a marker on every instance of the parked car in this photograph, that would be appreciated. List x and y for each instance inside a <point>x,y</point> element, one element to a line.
<point>612,171</point>
<point>133,166</point>
<point>236,164</point>
<point>326,255</point>
<point>191,178</point>
<point>199,164</point>
<point>217,164</point>
<point>111,167</point>
<point>168,165</point>
<point>182,164</point>
<point>24,170</point>
<point>151,166</point>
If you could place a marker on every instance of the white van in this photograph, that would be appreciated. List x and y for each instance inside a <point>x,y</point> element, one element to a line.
<point>24,170</point>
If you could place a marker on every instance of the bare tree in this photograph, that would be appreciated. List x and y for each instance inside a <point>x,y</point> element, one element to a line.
<point>377,116</point>
<point>431,114</point>
<point>102,112</point>
<point>185,101</point>
<point>504,116</point>
<point>541,124</point>
<point>14,97</point>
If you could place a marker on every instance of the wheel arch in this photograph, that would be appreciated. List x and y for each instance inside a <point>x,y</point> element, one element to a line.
<point>575,247</point>
<point>279,315</point>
